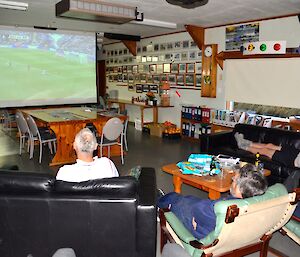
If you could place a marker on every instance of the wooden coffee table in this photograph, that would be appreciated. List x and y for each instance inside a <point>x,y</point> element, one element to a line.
<point>214,185</point>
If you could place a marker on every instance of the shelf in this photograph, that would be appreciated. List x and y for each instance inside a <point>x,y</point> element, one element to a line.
<point>195,121</point>
<point>239,55</point>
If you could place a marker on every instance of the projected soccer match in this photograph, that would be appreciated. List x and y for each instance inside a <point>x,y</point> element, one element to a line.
<point>45,68</point>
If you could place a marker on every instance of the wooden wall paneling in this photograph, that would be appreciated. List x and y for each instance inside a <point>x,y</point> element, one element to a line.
<point>131,45</point>
<point>197,34</point>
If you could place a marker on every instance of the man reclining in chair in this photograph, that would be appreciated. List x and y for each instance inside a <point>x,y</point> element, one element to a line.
<point>285,154</point>
<point>198,215</point>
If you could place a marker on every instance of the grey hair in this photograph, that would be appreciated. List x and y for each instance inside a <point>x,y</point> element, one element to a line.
<point>86,141</point>
<point>251,182</point>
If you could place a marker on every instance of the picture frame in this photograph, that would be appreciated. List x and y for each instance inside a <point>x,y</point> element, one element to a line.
<point>182,68</point>
<point>149,58</point>
<point>130,87</point>
<point>144,58</point>
<point>138,49</point>
<point>137,78</point>
<point>143,78</point>
<point>174,68</point>
<point>198,67</point>
<point>190,67</point>
<point>163,47</point>
<point>176,57</point>
<point>130,78</point>
<point>192,55</point>
<point>116,61</point>
<point>149,78</point>
<point>130,59</point>
<point>167,67</point>
<point>184,56</point>
<point>154,58</point>
<point>146,68</point>
<point>185,44</point>
<point>138,88</point>
<point>150,48</point>
<point>198,79</point>
<point>161,58</point>
<point>180,80</point>
<point>129,68</point>
<point>125,60</point>
<point>140,68</point>
<point>134,69</point>
<point>199,55</point>
<point>193,44</point>
<point>170,46</point>
<point>153,88</point>
<point>168,57</point>
<point>152,68</point>
<point>112,53</point>
<point>159,68</point>
<point>138,58</point>
<point>118,69</point>
<point>115,78</point>
<point>120,52</point>
<point>156,79</point>
<point>145,88</point>
<point>189,79</point>
<point>164,78</point>
<point>125,78</point>
<point>144,49</point>
<point>172,79</point>
<point>177,45</point>
<point>120,60</point>
<point>120,77</point>
<point>110,78</point>
<point>156,47</point>
<point>116,52</point>
<point>124,68</point>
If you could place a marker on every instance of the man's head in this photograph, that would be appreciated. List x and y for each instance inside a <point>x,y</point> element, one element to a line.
<point>85,142</point>
<point>248,182</point>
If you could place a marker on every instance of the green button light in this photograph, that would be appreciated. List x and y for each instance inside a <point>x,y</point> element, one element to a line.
<point>263,47</point>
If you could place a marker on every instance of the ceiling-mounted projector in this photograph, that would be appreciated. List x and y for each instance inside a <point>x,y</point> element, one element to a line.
<point>99,11</point>
<point>188,4</point>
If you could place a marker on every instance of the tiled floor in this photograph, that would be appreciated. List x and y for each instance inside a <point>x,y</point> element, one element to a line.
<point>144,150</point>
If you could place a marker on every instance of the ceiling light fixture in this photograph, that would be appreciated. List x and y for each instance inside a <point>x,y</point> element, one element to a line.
<point>156,23</point>
<point>188,4</point>
<point>14,5</point>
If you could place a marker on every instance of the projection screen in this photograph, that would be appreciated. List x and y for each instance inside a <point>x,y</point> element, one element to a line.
<point>40,67</point>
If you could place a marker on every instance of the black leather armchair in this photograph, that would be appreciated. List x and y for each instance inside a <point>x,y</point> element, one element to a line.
<point>109,217</point>
<point>225,143</point>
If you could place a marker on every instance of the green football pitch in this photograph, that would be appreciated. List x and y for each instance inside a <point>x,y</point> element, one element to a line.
<point>36,74</point>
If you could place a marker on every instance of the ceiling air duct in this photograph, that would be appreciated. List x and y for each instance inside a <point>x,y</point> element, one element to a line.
<point>93,10</point>
<point>188,4</point>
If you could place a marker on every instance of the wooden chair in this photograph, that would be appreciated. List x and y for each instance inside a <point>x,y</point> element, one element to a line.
<point>243,226</point>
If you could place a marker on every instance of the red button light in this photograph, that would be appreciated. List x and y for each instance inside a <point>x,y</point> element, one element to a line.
<point>277,47</point>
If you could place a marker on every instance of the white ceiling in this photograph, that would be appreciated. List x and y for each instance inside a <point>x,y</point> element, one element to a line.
<point>216,12</point>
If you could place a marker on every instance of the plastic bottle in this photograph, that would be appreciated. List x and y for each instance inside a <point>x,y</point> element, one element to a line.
<point>257,161</point>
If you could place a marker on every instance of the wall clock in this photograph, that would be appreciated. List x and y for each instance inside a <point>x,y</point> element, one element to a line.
<point>208,51</point>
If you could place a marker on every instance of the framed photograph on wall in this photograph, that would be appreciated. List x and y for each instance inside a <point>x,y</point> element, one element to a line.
<point>129,69</point>
<point>180,79</point>
<point>116,61</point>
<point>149,58</point>
<point>176,56</point>
<point>185,44</point>
<point>182,68</point>
<point>110,78</point>
<point>140,68</point>
<point>164,78</point>
<point>130,87</point>
<point>152,68</point>
<point>167,68</point>
<point>190,67</point>
<point>144,58</point>
<point>189,79</point>
<point>177,44</point>
<point>198,79</point>
<point>153,88</point>
<point>161,57</point>
<point>156,47</point>
<point>124,69</point>
<point>138,49</point>
<point>144,49</point>
<point>118,69</point>
<point>115,77</point>
<point>120,77</point>
<point>184,56</point>
<point>149,78</point>
<point>168,57</point>
<point>174,68</point>
<point>120,52</point>
<point>192,55</point>
<point>125,60</point>
<point>159,68</point>
<point>139,88</point>
<point>199,55</point>
<point>137,78</point>
<point>172,79</point>
<point>138,58</point>
<point>125,78</point>
<point>145,87</point>
<point>193,43</point>
<point>130,78</point>
<point>143,78</point>
<point>163,47</point>
<point>134,69</point>
<point>146,68</point>
<point>150,48</point>
<point>154,58</point>
<point>156,79</point>
<point>198,67</point>
<point>170,46</point>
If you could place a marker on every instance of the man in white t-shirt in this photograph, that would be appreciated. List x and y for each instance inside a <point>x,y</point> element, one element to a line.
<point>87,167</point>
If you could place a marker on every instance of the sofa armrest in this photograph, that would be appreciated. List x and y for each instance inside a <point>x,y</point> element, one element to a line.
<point>146,214</point>
<point>215,140</point>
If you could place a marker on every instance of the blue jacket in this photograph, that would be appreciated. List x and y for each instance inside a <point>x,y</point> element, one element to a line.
<point>187,207</point>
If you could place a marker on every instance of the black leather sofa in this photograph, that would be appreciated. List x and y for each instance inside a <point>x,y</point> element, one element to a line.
<point>225,143</point>
<point>109,217</point>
